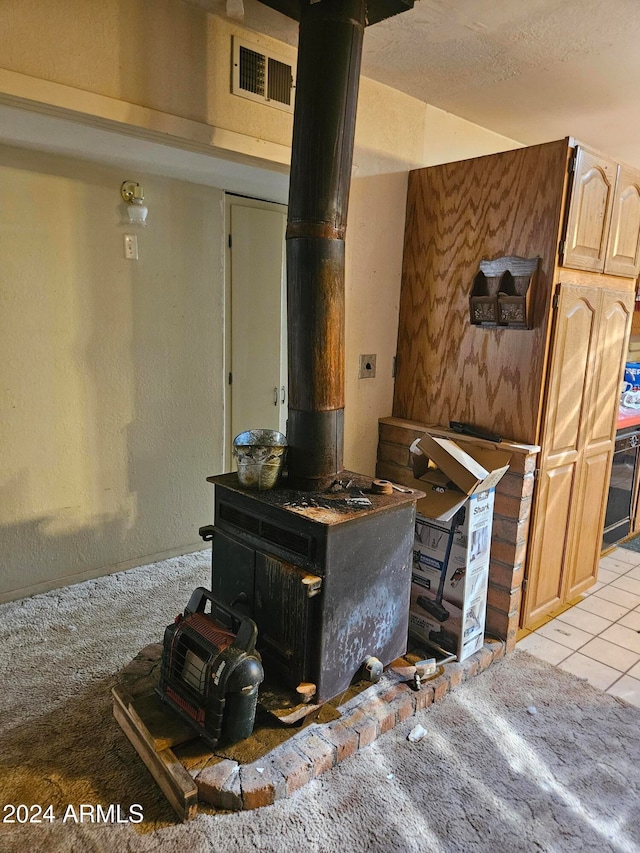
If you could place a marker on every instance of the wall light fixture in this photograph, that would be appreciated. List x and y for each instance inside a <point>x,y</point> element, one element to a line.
<point>133,194</point>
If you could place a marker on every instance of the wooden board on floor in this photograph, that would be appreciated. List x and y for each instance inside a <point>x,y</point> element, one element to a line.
<point>176,784</point>
<point>166,729</point>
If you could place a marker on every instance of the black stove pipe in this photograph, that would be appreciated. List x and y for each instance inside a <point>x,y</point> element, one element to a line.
<point>329,57</point>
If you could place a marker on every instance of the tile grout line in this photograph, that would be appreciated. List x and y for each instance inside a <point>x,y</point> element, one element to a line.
<point>580,649</point>
<point>631,610</point>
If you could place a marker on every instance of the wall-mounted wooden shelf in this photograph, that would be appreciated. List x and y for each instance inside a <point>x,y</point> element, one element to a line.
<point>501,292</point>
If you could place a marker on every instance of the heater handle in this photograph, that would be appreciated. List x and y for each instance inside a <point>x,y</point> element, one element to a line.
<point>243,627</point>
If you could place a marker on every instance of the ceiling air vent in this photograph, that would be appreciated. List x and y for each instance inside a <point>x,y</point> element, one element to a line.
<point>261,76</point>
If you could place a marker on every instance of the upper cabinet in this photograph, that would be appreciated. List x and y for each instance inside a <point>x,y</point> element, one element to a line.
<point>623,249</point>
<point>603,221</point>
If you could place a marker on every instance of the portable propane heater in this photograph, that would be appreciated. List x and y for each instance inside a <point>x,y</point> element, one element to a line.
<point>210,670</point>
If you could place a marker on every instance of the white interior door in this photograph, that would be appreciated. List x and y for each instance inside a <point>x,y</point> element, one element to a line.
<point>256,319</point>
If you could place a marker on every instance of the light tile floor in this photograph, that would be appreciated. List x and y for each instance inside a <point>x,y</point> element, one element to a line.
<point>598,638</point>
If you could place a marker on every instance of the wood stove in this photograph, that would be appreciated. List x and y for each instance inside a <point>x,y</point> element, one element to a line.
<point>325,575</point>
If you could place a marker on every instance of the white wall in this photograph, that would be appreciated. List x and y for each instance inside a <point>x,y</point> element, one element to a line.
<point>111,376</point>
<point>375,232</point>
<point>162,65</point>
<point>448,138</point>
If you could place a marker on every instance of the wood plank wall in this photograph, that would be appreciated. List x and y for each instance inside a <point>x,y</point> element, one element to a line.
<point>458,214</point>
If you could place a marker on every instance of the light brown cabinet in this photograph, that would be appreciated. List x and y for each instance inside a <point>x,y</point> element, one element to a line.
<point>602,232</point>
<point>623,250</point>
<point>554,385</point>
<point>589,337</point>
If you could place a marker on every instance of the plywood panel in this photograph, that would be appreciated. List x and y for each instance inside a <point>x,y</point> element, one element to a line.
<point>458,214</point>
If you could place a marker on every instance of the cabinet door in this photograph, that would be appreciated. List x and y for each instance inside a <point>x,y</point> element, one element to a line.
<point>565,423</point>
<point>548,537</point>
<point>596,451</point>
<point>590,208</point>
<point>623,249</point>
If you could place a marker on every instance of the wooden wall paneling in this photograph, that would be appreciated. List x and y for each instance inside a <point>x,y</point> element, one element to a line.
<point>458,214</point>
<point>554,385</point>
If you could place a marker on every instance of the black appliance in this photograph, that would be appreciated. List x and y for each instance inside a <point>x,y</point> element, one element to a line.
<point>210,672</point>
<point>620,502</point>
<point>325,575</point>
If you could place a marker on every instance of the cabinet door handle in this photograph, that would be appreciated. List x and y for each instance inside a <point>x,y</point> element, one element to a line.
<point>283,395</point>
<point>275,396</point>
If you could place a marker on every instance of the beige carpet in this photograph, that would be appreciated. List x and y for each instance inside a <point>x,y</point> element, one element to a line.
<point>522,758</point>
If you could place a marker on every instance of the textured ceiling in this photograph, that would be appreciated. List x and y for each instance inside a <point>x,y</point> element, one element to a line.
<point>533,70</point>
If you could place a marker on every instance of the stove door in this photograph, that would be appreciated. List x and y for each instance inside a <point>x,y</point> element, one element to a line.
<point>282,599</point>
<point>286,601</point>
<point>232,577</point>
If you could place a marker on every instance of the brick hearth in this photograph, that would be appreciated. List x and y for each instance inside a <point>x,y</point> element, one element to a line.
<point>306,753</point>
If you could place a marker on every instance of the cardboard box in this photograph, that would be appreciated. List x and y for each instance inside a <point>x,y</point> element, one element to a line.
<point>453,541</point>
<point>450,475</point>
<point>430,553</point>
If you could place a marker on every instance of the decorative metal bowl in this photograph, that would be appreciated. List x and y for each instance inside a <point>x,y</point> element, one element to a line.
<point>260,455</point>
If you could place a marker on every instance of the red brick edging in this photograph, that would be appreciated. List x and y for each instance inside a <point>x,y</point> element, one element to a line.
<point>319,747</point>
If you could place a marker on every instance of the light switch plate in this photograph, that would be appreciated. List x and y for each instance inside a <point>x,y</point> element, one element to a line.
<point>131,247</point>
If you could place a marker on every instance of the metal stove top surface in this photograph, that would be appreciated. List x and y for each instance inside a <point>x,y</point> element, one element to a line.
<point>349,498</point>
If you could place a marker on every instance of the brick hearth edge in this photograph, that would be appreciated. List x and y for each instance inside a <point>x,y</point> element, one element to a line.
<point>317,748</point>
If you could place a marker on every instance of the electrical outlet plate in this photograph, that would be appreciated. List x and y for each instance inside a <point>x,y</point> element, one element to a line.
<point>367,367</point>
